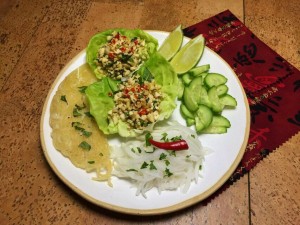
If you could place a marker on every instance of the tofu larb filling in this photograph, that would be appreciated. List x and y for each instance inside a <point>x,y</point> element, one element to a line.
<point>121,56</point>
<point>136,103</point>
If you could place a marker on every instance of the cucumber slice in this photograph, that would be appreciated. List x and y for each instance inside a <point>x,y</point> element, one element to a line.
<point>187,78</point>
<point>228,100</point>
<point>222,89</point>
<point>214,79</point>
<point>216,105</point>
<point>198,124</point>
<point>220,121</point>
<point>205,115</point>
<point>199,70</point>
<point>214,130</point>
<point>204,100</point>
<point>180,89</point>
<point>196,84</point>
<point>185,112</point>
<point>190,99</point>
<point>190,122</point>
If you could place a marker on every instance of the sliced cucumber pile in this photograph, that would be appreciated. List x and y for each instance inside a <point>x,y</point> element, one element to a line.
<point>204,95</point>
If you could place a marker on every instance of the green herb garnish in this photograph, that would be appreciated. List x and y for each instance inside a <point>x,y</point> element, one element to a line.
<point>167,162</point>
<point>168,173</point>
<point>144,165</point>
<point>82,89</point>
<point>131,170</point>
<point>147,137</point>
<point>162,156</point>
<point>152,166</point>
<point>63,98</point>
<point>84,145</point>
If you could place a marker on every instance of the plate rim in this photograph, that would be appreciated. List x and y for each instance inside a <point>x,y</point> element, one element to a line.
<point>144,212</point>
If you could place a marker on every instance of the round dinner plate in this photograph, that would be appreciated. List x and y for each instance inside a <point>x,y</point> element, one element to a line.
<point>227,152</point>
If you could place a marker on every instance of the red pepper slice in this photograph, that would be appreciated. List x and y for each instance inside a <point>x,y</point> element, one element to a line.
<point>174,145</point>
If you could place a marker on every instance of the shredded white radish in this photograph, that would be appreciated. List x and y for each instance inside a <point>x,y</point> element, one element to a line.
<point>149,168</point>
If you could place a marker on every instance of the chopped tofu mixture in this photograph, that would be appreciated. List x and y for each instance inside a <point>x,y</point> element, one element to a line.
<point>121,56</point>
<point>136,103</point>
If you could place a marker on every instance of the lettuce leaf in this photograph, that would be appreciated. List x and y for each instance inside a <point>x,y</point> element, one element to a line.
<point>101,38</point>
<point>101,102</point>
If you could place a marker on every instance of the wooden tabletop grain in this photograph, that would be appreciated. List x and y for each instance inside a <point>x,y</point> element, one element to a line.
<point>37,38</point>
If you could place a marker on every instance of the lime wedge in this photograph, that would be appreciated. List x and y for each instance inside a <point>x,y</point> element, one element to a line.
<point>189,55</point>
<point>171,44</point>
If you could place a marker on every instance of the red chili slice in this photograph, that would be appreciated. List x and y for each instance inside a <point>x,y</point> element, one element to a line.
<point>111,55</point>
<point>143,111</point>
<point>174,145</point>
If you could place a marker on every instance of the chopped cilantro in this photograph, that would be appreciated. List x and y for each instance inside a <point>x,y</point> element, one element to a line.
<point>144,165</point>
<point>86,133</point>
<point>152,166</point>
<point>168,173</point>
<point>167,162</point>
<point>139,149</point>
<point>164,137</point>
<point>162,156</point>
<point>172,153</point>
<point>84,145</point>
<point>79,107</point>
<point>76,113</point>
<point>147,137</point>
<point>82,89</point>
<point>63,98</point>
<point>88,114</point>
<point>176,138</point>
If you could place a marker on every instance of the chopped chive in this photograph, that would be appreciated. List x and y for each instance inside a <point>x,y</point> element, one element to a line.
<point>91,162</point>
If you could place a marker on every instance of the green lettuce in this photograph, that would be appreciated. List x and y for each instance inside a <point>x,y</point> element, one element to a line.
<point>101,101</point>
<point>100,39</point>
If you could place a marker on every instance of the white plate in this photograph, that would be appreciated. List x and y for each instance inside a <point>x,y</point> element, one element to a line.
<point>228,151</point>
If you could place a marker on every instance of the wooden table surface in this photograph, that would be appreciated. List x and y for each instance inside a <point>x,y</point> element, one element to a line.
<point>37,38</point>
